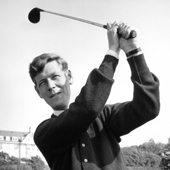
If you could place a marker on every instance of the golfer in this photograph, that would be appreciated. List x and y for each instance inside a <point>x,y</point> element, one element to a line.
<point>85,134</point>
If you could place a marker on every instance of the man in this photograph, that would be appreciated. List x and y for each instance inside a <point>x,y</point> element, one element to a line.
<point>85,135</point>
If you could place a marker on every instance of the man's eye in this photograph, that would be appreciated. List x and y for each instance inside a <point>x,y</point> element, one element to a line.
<point>55,77</point>
<point>41,83</point>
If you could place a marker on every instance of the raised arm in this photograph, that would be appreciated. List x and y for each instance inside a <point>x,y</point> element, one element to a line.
<point>145,105</point>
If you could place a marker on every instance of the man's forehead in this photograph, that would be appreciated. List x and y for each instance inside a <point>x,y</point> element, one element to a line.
<point>52,66</point>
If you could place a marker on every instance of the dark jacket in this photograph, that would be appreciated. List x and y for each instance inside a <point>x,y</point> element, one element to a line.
<point>86,136</point>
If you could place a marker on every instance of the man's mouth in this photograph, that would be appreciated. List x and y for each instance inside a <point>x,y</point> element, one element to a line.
<point>55,94</point>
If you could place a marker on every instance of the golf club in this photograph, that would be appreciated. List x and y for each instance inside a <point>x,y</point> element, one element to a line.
<point>34,17</point>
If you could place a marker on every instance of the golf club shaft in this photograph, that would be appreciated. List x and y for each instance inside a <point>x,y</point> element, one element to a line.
<point>133,33</point>
<point>78,19</point>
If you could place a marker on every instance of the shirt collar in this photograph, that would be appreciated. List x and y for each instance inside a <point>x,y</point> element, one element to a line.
<point>57,112</point>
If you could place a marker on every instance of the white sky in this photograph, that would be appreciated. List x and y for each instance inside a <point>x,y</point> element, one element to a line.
<point>84,47</point>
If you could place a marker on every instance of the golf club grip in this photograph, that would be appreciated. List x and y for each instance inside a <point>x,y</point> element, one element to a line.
<point>133,33</point>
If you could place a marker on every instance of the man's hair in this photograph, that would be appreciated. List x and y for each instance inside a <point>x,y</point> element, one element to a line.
<point>39,62</point>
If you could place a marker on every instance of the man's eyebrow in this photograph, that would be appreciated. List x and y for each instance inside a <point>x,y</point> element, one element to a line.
<point>53,74</point>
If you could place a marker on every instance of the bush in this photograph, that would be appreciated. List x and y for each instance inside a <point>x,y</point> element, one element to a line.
<point>13,163</point>
<point>143,168</point>
<point>8,167</point>
<point>14,160</point>
<point>23,167</point>
<point>37,163</point>
<point>136,158</point>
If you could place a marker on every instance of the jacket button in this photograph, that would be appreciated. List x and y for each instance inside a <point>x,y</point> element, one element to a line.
<point>83,145</point>
<point>85,160</point>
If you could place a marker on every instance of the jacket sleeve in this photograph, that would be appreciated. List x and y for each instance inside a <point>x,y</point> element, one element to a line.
<point>145,105</point>
<point>56,135</point>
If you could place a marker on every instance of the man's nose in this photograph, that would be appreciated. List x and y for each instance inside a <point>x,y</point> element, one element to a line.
<point>51,85</point>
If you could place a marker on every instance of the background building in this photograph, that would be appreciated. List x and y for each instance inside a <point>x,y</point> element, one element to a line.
<point>18,144</point>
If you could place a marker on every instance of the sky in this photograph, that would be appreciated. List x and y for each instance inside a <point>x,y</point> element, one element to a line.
<point>84,47</point>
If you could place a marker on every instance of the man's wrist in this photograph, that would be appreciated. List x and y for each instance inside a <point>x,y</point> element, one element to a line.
<point>134,52</point>
<point>131,47</point>
<point>113,53</point>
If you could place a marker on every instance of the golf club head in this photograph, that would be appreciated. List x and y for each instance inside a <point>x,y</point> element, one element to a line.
<point>34,15</point>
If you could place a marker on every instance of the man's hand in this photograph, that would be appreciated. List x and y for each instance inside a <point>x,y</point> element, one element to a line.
<point>113,39</point>
<point>127,44</point>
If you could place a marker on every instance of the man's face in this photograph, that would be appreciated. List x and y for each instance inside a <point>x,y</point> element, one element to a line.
<point>53,85</point>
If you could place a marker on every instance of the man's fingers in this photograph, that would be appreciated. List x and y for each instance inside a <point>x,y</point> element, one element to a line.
<point>124,30</point>
<point>112,25</point>
<point>127,32</point>
<point>108,26</point>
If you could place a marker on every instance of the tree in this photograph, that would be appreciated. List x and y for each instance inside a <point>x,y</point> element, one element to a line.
<point>165,155</point>
<point>4,158</point>
<point>152,147</point>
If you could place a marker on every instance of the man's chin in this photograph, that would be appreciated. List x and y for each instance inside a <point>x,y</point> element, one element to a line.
<point>60,107</point>
<point>58,104</point>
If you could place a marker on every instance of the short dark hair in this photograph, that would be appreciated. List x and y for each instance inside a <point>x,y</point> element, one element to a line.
<point>39,62</point>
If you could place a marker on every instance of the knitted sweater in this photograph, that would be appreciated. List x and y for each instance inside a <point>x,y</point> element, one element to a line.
<point>86,136</point>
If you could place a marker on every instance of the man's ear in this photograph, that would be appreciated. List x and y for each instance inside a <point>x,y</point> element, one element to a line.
<point>36,89</point>
<point>70,76</point>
